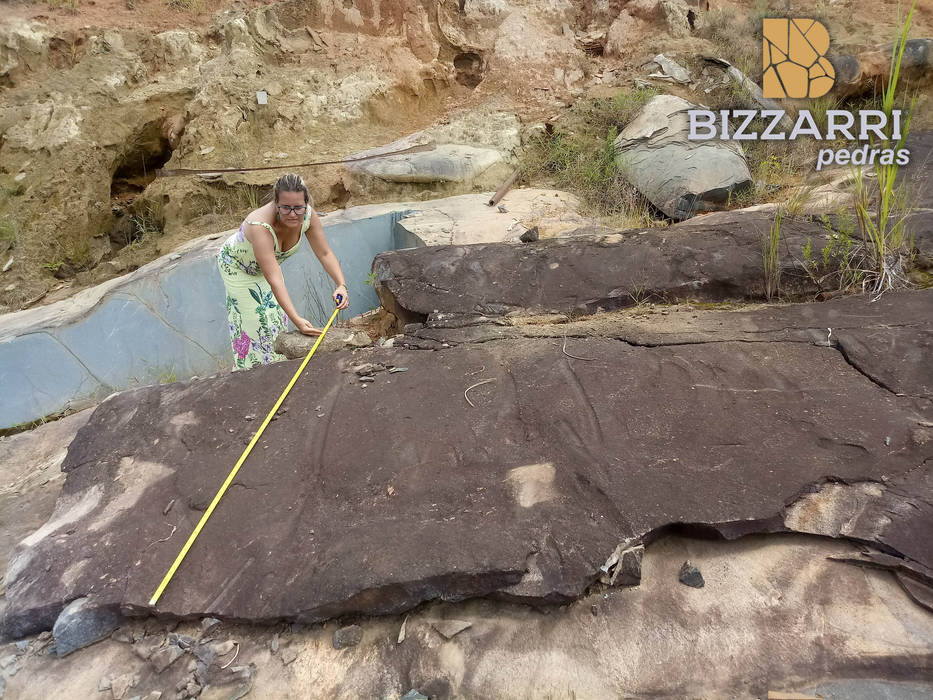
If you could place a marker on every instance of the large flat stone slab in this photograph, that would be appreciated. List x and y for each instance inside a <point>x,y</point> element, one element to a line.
<point>468,218</point>
<point>445,163</point>
<point>710,258</point>
<point>778,612</point>
<point>508,468</point>
<point>470,149</point>
<point>888,340</point>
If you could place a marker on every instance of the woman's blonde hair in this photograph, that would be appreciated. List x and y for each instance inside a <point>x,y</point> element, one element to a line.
<point>291,182</point>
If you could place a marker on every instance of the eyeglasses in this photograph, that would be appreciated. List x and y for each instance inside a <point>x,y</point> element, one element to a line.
<point>285,208</point>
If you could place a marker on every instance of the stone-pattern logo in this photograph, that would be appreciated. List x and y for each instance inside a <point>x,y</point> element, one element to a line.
<point>795,64</point>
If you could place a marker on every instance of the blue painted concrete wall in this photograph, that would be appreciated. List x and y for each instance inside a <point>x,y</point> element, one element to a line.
<point>167,322</point>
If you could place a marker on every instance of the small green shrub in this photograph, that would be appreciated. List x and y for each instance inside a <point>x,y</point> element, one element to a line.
<point>882,207</point>
<point>581,157</point>
<point>720,26</point>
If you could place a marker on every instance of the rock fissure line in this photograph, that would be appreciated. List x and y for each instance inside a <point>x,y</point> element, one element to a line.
<point>864,373</point>
<point>168,325</point>
<point>700,341</point>
<point>682,343</point>
<point>102,383</point>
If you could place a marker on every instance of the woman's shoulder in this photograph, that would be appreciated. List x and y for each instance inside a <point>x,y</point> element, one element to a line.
<point>258,220</point>
<point>260,215</point>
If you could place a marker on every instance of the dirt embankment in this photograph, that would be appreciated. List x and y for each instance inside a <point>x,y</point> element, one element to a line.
<point>97,95</point>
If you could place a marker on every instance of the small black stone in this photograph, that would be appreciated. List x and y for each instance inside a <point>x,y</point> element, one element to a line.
<point>348,636</point>
<point>530,236</point>
<point>691,576</point>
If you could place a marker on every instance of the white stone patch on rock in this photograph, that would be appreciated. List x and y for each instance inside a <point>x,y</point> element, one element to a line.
<point>485,126</point>
<point>236,34</point>
<point>135,476</point>
<point>179,46</point>
<point>524,36</point>
<point>258,27</point>
<point>825,199</point>
<point>22,45</point>
<point>184,420</point>
<point>557,11</point>
<point>346,97</point>
<point>532,484</point>
<point>69,509</point>
<point>418,138</point>
<point>114,80</point>
<point>670,70</point>
<point>264,24</point>
<point>467,219</point>
<point>645,9</point>
<point>433,226</point>
<point>675,14</point>
<point>451,628</point>
<point>531,579</point>
<point>352,16</point>
<point>49,125</point>
<point>624,31</point>
<point>295,345</point>
<point>833,509</point>
<point>486,8</point>
<point>73,572</point>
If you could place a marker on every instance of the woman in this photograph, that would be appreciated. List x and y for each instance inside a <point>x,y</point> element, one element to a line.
<point>258,304</point>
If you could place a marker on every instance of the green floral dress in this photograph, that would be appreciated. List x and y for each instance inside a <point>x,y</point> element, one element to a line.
<point>254,316</point>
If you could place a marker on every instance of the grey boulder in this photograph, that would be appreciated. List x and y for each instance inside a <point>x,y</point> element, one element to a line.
<point>81,623</point>
<point>678,176</point>
<point>295,345</point>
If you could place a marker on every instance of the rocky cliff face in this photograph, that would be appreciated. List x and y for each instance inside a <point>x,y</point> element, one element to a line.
<point>90,109</point>
<point>89,114</point>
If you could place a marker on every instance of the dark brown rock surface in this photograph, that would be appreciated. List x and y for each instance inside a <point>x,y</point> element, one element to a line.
<point>712,258</point>
<point>374,498</point>
<point>917,176</point>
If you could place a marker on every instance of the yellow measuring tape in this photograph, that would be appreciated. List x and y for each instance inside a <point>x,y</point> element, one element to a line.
<point>236,468</point>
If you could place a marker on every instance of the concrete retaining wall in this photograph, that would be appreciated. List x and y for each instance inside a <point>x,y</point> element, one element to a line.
<point>167,321</point>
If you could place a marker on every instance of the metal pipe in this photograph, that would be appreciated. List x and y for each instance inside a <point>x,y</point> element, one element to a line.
<point>504,187</point>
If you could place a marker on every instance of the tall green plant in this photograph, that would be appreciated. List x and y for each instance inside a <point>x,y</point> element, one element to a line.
<point>771,257</point>
<point>883,229</point>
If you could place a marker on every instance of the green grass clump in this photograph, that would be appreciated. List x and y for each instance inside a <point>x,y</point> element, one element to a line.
<point>882,207</point>
<point>581,157</point>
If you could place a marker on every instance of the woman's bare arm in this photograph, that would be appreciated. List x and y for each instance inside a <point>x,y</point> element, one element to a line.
<point>321,248</point>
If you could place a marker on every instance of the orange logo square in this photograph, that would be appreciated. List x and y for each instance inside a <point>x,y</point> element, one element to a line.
<point>794,57</point>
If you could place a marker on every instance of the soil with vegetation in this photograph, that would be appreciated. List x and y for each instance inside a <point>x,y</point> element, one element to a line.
<point>97,95</point>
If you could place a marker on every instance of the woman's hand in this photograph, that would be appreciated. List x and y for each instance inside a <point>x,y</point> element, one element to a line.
<point>304,326</point>
<point>344,301</point>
